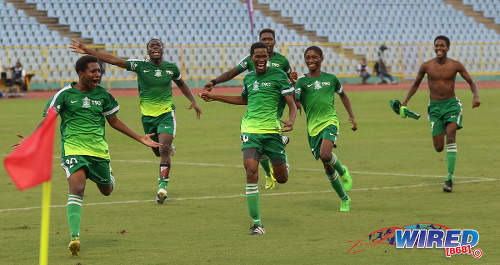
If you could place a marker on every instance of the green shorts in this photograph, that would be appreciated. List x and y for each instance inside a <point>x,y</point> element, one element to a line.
<point>164,123</point>
<point>96,169</point>
<point>331,133</point>
<point>441,112</point>
<point>269,144</point>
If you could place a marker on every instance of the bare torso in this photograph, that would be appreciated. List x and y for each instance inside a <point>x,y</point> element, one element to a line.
<point>441,77</point>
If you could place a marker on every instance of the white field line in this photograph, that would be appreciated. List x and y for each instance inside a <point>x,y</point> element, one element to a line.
<point>261,194</point>
<point>292,168</point>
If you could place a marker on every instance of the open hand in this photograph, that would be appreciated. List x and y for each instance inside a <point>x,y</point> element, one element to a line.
<point>146,140</point>
<point>195,106</point>
<point>287,125</point>
<point>77,47</point>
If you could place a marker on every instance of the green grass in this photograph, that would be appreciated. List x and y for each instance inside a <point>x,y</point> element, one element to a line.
<point>302,228</point>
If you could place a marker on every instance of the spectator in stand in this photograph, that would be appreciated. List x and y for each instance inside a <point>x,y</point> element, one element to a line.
<point>381,70</point>
<point>19,76</point>
<point>363,72</point>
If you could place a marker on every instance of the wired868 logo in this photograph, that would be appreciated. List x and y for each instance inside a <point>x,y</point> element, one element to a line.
<point>454,241</point>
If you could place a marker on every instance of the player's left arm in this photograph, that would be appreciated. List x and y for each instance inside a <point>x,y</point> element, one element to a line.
<point>465,75</point>
<point>347,105</point>
<point>189,95</point>
<point>118,125</point>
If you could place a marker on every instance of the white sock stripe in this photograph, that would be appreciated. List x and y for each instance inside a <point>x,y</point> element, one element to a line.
<point>452,151</point>
<point>252,185</point>
<point>450,145</point>
<point>334,159</point>
<point>75,199</point>
<point>73,202</point>
<point>252,192</point>
<point>75,196</point>
<point>255,220</point>
<point>252,188</point>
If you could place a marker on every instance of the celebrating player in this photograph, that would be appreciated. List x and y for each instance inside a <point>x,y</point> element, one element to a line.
<point>83,107</point>
<point>154,77</point>
<point>445,109</point>
<point>316,92</point>
<point>260,130</point>
<point>276,60</point>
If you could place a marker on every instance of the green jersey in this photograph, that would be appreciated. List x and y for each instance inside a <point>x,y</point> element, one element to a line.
<point>83,120</point>
<point>263,92</point>
<point>155,85</point>
<point>277,61</point>
<point>317,96</point>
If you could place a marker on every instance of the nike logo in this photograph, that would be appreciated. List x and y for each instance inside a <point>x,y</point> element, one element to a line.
<point>332,134</point>
<point>452,116</point>
<point>73,101</point>
<point>166,127</point>
<point>146,71</point>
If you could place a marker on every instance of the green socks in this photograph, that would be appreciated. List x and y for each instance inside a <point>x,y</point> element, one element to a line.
<point>252,193</point>
<point>164,179</point>
<point>74,212</point>
<point>335,164</point>
<point>337,186</point>
<point>265,165</point>
<point>451,158</point>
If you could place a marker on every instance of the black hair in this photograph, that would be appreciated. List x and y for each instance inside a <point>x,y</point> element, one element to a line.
<point>267,30</point>
<point>316,49</point>
<point>257,45</point>
<point>83,62</point>
<point>152,39</point>
<point>442,37</point>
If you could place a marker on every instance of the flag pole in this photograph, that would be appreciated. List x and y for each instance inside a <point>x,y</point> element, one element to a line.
<point>44,228</point>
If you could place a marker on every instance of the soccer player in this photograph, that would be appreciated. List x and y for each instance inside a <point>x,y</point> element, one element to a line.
<point>266,36</point>
<point>445,109</point>
<point>316,92</point>
<point>84,106</point>
<point>260,130</point>
<point>154,77</point>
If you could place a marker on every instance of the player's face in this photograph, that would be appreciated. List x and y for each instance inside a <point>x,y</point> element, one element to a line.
<point>259,58</point>
<point>440,48</point>
<point>90,77</point>
<point>313,60</point>
<point>268,39</point>
<point>155,49</point>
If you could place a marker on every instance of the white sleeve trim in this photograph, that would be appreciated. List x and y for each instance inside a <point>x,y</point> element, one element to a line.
<point>57,95</point>
<point>287,90</point>
<point>107,113</point>
<point>179,78</point>
<point>341,89</point>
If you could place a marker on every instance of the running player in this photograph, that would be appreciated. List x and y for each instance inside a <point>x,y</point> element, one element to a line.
<point>445,109</point>
<point>266,36</point>
<point>154,77</point>
<point>316,92</point>
<point>260,130</point>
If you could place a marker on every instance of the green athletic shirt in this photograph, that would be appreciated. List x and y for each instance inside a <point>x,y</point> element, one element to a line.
<point>277,61</point>
<point>155,85</point>
<point>83,120</point>
<point>263,92</point>
<point>317,96</point>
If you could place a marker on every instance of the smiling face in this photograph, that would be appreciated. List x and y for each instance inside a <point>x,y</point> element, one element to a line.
<point>155,49</point>
<point>90,77</point>
<point>259,58</point>
<point>440,48</point>
<point>313,60</point>
<point>268,39</point>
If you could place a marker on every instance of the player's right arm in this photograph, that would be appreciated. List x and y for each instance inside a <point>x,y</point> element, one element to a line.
<point>226,76</point>
<point>414,87</point>
<point>235,100</point>
<point>78,47</point>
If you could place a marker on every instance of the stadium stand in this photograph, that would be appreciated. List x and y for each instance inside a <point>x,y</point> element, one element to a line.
<point>207,37</point>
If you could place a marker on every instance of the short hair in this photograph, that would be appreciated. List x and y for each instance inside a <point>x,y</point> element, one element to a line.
<point>314,48</point>
<point>442,37</point>
<point>83,62</point>
<point>152,39</point>
<point>257,45</point>
<point>267,30</point>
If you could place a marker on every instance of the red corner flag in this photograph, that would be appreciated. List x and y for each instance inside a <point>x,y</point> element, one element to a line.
<point>31,162</point>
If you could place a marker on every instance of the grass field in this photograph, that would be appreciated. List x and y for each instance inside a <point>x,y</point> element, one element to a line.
<point>392,162</point>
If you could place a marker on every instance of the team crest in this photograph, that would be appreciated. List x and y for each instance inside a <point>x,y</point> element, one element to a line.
<point>317,85</point>
<point>86,103</point>
<point>255,85</point>
<point>157,73</point>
